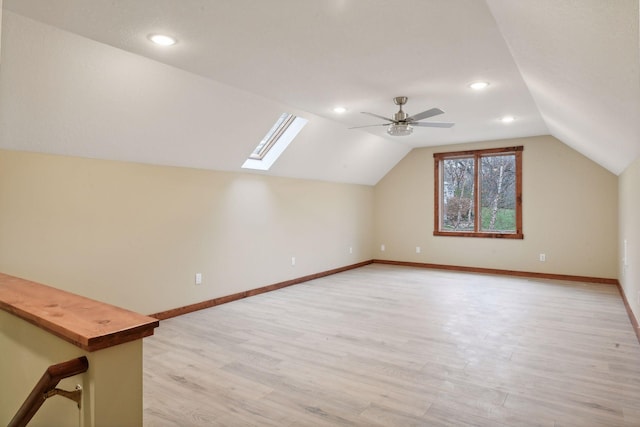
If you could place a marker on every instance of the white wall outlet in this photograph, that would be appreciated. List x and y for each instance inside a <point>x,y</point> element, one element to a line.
<point>418,249</point>
<point>350,249</point>
<point>382,247</point>
<point>198,278</point>
<point>293,261</point>
<point>543,257</point>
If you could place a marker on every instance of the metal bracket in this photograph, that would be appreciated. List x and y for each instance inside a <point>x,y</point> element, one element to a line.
<point>75,395</point>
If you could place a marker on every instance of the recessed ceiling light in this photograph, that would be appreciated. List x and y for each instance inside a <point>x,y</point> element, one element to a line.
<point>339,110</point>
<point>479,85</point>
<point>507,119</point>
<point>162,40</point>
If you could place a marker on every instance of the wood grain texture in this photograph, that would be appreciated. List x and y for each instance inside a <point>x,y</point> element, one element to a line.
<point>387,345</point>
<point>86,323</point>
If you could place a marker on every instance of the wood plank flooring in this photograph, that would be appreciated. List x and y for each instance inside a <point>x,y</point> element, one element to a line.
<point>397,346</point>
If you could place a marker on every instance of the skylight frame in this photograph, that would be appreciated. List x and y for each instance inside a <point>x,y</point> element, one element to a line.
<point>278,129</point>
<point>275,142</point>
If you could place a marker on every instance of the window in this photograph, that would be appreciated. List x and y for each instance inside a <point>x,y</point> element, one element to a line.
<point>275,142</point>
<point>479,193</point>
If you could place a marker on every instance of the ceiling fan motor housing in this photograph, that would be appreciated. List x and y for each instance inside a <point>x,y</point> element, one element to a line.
<point>400,116</point>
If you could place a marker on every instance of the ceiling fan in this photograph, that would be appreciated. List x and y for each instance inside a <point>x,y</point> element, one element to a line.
<point>402,124</point>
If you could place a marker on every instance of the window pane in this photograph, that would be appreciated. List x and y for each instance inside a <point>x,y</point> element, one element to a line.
<point>498,193</point>
<point>457,194</point>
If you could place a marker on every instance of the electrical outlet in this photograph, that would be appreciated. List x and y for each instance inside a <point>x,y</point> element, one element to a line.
<point>198,278</point>
<point>350,249</point>
<point>543,257</point>
<point>293,261</point>
<point>382,247</point>
<point>418,249</point>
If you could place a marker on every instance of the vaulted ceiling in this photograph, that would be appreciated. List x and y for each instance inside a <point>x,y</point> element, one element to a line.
<point>93,85</point>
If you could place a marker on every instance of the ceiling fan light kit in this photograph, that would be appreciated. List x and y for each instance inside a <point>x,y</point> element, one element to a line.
<point>399,129</point>
<point>402,124</point>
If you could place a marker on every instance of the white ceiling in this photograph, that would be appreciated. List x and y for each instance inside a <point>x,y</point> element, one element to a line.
<point>562,67</point>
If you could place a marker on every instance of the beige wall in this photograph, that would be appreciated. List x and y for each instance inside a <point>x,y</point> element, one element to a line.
<point>569,213</point>
<point>112,387</point>
<point>629,185</point>
<point>26,352</point>
<point>135,235</point>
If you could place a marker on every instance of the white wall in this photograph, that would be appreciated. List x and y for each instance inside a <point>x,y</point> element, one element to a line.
<point>629,272</point>
<point>65,94</point>
<point>0,29</point>
<point>569,213</point>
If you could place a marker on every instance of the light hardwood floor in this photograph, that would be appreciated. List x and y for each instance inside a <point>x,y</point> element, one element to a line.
<point>397,346</point>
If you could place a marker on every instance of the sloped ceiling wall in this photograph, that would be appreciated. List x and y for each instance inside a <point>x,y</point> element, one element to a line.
<point>581,63</point>
<point>66,94</point>
<point>79,78</point>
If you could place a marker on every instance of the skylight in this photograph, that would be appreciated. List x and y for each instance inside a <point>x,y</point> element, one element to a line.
<point>275,142</point>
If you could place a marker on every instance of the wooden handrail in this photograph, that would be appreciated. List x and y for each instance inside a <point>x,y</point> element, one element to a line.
<point>47,383</point>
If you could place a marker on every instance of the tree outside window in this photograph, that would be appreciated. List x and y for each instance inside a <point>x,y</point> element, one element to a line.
<point>479,193</point>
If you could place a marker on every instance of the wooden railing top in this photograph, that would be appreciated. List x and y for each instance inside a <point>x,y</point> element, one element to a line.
<point>86,323</point>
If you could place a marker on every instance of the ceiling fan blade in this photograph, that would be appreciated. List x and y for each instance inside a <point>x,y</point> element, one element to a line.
<point>380,117</point>
<point>425,115</point>
<point>368,126</point>
<point>432,124</point>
